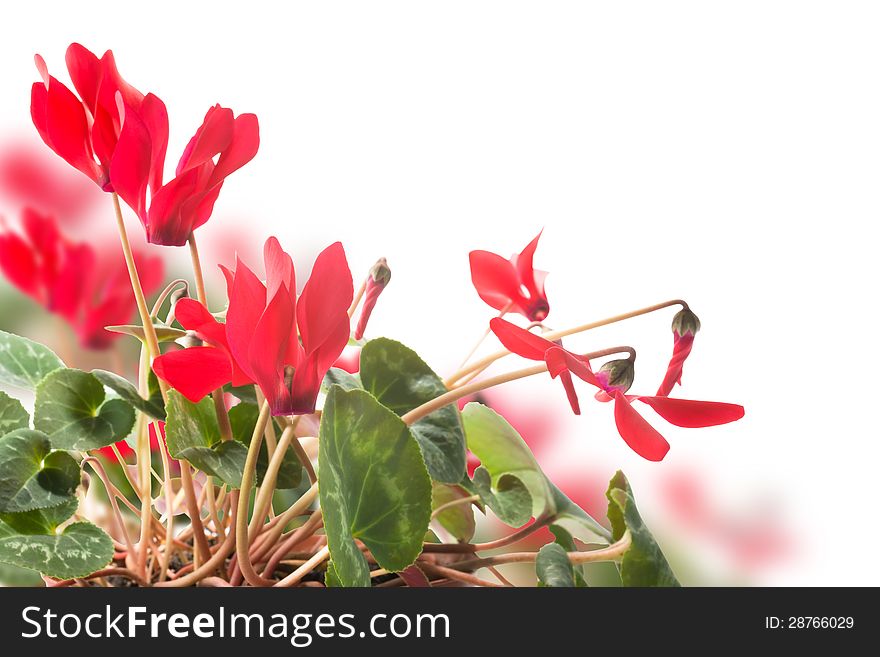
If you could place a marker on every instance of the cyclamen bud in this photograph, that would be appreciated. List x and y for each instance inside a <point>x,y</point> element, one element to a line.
<point>380,276</point>
<point>617,374</point>
<point>684,322</point>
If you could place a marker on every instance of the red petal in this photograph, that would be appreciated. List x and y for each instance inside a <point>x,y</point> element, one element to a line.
<point>642,438</point>
<point>681,350</point>
<point>570,392</point>
<point>279,269</point>
<point>61,121</point>
<point>155,118</point>
<point>194,372</point>
<point>132,162</point>
<point>523,264</point>
<point>560,361</point>
<point>241,150</point>
<point>495,280</point>
<point>85,73</point>
<point>211,138</point>
<point>692,413</point>
<point>247,301</point>
<point>268,347</point>
<point>520,341</point>
<point>325,300</point>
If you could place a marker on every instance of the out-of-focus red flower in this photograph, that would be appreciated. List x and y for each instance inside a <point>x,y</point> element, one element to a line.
<point>85,131</point>
<point>613,380</point>
<point>88,287</point>
<point>259,342</point>
<point>31,177</point>
<point>186,202</point>
<point>751,540</point>
<point>685,325</point>
<point>378,279</point>
<point>125,451</point>
<point>349,360</point>
<point>512,285</point>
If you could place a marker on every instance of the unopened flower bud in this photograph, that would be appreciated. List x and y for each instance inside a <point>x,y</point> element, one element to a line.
<point>379,277</point>
<point>618,374</point>
<point>685,322</point>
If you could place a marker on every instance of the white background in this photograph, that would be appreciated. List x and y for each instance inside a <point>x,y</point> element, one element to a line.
<point>726,153</point>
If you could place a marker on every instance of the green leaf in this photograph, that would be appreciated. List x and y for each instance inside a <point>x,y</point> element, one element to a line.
<point>71,409</point>
<point>12,414</point>
<point>247,394</point>
<point>374,486</point>
<point>24,363</point>
<point>154,407</point>
<point>508,497</point>
<point>40,521</point>
<point>164,332</point>
<point>80,550</point>
<point>458,519</point>
<point>339,377</point>
<point>331,579</point>
<point>509,462</point>
<point>225,460</point>
<point>401,381</point>
<point>192,433</point>
<point>574,519</point>
<point>31,475</point>
<point>553,567</point>
<point>243,419</point>
<point>513,485</point>
<point>643,563</point>
<point>566,542</point>
<point>21,577</point>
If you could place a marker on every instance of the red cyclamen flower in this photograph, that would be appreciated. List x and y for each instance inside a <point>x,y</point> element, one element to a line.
<point>259,341</point>
<point>613,380</point>
<point>183,204</point>
<point>511,285</point>
<point>380,276</point>
<point>88,287</point>
<point>684,327</point>
<point>85,131</point>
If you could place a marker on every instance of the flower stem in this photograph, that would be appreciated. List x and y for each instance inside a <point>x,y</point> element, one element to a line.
<point>458,393</point>
<point>296,576</point>
<point>357,299</point>
<point>613,552</point>
<point>216,395</point>
<point>150,338</point>
<point>556,335</point>
<point>516,536</point>
<point>242,544</point>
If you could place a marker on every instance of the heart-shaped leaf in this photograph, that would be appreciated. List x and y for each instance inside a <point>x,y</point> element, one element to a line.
<point>40,521</point>
<point>400,380</point>
<point>374,486</point>
<point>566,542</point>
<point>12,414</point>
<point>225,460</point>
<point>80,550</point>
<point>154,406</point>
<point>505,456</point>
<point>71,409</point>
<point>31,475</point>
<point>24,363</point>
<point>514,486</point>
<point>643,564</point>
<point>553,567</point>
